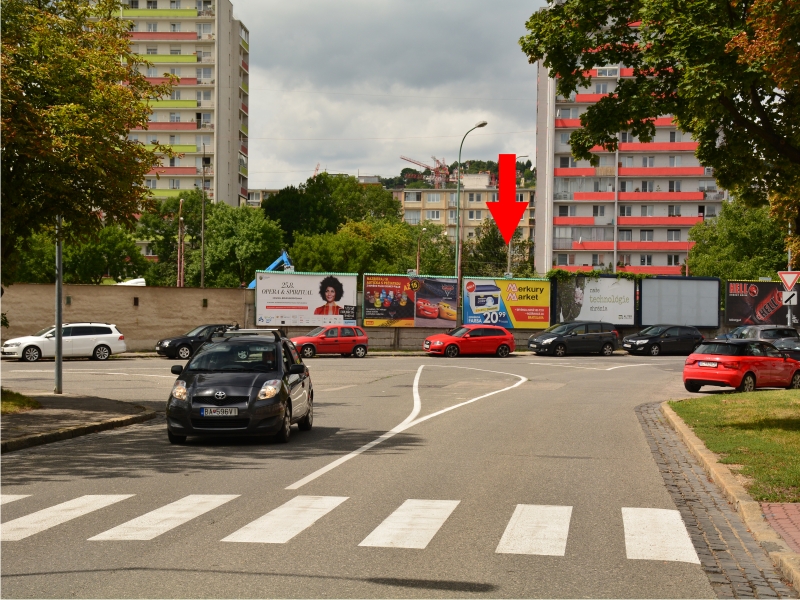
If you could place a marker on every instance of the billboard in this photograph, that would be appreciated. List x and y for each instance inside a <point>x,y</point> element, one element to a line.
<point>510,303</point>
<point>409,301</point>
<point>680,301</point>
<point>285,298</point>
<point>606,299</point>
<point>756,303</point>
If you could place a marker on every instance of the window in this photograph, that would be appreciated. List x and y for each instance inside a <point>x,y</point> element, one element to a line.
<point>647,186</point>
<point>567,211</point>
<point>627,161</point>
<point>174,161</point>
<point>566,162</point>
<point>473,197</point>
<point>175,95</point>
<point>711,211</point>
<point>133,137</point>
<point>150,184</point>
<point>204,95</point>
<point>174,117</point>
<point>152,27</point>
<point>348,332</point>
<point>625,186</point>
<point>174,4</point>
<point>647,210</point>
<point>152,72</point>
<point>152,4</point>
<point>625,210</point>
<point>674,210</point>
<point>674,136</point>
<point>175,50</point>
<point>625,259</point>
<point>648,161</point>
<point>674,161</point>
<point>673,235</point>
<point>626,138</point>
<point>567,113</point>
<point>432,198</point>
<point>571,259</point>
<point>413,196</point>
<point>175,71</point>
<point>412,217</point>
<point>598,211</point>
<point>601,88</point>
<point>646,259</point>
<point>174,184</point>
<point>174,26</point>
<point>203,28</point>
<point>475,215</point>
<point>707,185</point>
<point>565,138</point>
<point>174,139</point>
<point>607,72</point>
<point>674,186</point>
<point>673,260</point>
<point>452,200</point>
<point>646,235</point>
<point>492,197</point>
<point>151,50</point>
<point>561,260</point>
<point>133,4</point>
<point>565,233</point>
<point>625,235</point>
<point>520,197</point>
<point>597,260</point>
<point>433,215</point>
<point>204,73</point>
<point>452,216</point>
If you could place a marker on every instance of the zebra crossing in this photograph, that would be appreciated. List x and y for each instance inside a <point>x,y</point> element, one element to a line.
<point>650,533</point>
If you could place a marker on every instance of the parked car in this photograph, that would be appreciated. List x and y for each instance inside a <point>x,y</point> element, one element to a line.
<point>733,334</point>
<point>471,339</point>
<point>333,339</point>
<point>183,346</point>
<point>789,346</point>
<point>576,337</point>
<point>97,341</point>
<point>663,339</point>
<point>241,386</point>
<point>768,333</point>
<point>741,364</point>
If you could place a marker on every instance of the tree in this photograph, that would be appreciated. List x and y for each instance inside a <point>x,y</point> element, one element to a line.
<point>71,91</point>
<point>357,201</point>
<point>741,243</point>
<point>36,262</point>
<point>307,209</point>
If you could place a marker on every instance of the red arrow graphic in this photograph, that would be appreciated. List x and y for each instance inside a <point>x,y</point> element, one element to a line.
<point>507,211</point>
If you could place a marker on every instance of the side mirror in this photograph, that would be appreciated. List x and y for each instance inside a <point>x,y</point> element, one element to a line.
<point>176,370</point>
<point>466,335</point>
<point>573,333</point>
<point>297,369</point>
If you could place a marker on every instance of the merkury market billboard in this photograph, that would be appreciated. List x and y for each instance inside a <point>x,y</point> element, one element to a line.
<point>289,299</point>
<point>510,303</point>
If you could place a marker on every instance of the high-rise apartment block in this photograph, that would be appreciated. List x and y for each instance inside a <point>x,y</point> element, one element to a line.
<point>634,210</point>
<point>206,118</point>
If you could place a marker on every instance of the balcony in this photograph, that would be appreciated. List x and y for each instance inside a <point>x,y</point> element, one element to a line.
<point>658,147</point>
<point>206,59</point>
<point>205,125</point>
<point>589,98</point>
<point>243,170</point>
<point>206,13</point>
<point>452,221</point>
<point>208,170</point>
<point>155,13</point>
<point>573,172</point>
<point>168,58</point>
<point>205,81</point>
<point>661,171</point>
<point>651,270</point>
<point>563,195</point>
<point>659,221</point>
<point>605,171</point>
<point>245,108</point>
<point>166,36</point>
<point>179,148</point>
<point>207,36</point>
<point>173,171</point>
<point>205,103</point>
<point>243,192</point>
<point>714,196</point>
<point>592,245</point>
<point>243,149</point>
<point>568,123</point>
<point>661,196</point>
<point>243,43</point>
<point>245,66</point>
<point>573,221</point>
<point>655,246</point>
<point>174,103</point>
<point>244,86</point>
<point>562,243</point>
<point>594,196</point>
<point>165,193</point>
<point>169,126</point>
<point>243,128</point>
<point>181,80</point>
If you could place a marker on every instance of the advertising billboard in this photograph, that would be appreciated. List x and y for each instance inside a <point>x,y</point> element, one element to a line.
<point>605,299</point>
<point>409,301</point>
<point>510,303</point>
<point>756,303</point>
<point>680,301</point>
<point>285,298</point>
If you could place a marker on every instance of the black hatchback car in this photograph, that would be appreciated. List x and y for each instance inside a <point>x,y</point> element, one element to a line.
<point>576,337</point>
<point>663,339</point>
<point>183,346</point>
<point>241,386</point>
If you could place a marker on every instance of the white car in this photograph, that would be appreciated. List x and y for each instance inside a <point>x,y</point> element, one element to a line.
<point>95,340</point>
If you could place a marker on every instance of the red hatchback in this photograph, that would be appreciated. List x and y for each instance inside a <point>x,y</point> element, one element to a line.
<point>471,339</point>
<point>742,364</point>
<point>333,339</point>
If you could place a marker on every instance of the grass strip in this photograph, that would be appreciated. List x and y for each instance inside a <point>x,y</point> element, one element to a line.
<point>758,433</point>
<point>12,402</point>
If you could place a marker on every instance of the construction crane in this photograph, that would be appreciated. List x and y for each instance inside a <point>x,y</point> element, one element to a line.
<point>316,171</point>
<point>440,172</point>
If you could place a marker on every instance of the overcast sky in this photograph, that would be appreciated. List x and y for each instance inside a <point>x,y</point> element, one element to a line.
<point>353,84</point>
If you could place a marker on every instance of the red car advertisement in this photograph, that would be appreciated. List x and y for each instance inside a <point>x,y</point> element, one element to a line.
<point>408,301</point>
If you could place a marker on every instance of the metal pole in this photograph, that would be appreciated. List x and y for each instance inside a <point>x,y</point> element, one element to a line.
<point>203,225</point>
<point>59,381</point>
<point>789,311</point>
<point>508,267</point>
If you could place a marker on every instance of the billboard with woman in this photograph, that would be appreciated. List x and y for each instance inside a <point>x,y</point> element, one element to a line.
<point>285,298</point>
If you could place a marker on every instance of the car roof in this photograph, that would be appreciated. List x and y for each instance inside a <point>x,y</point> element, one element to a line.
<point>765,327</point>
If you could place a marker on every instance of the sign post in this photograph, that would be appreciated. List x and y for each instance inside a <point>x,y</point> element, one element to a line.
<point>789,279</point>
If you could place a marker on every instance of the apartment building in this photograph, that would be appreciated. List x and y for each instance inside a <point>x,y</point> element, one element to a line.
<point>635,209</point>
<point>254,197</point>
<point>206,118</point>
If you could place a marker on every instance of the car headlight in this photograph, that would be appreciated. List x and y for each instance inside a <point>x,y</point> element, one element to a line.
<point>640,342</point>
<point>179,390</point>
<point>11,344</point>
<point>547,341</point>
<point>165,343</point>
<point>270,389</point>
<point>438,343</point>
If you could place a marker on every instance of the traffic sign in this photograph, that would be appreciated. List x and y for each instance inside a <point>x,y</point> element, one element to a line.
<point>507,212</point>
<point>789,298</point>
<point>789,278</point>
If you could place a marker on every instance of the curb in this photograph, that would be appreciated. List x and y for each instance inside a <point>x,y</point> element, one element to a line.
<point>37,439</point>
<point>749,510</point>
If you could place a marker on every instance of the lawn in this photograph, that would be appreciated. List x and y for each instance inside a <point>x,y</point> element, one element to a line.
<point>12,402</point>
<point>758,432</point>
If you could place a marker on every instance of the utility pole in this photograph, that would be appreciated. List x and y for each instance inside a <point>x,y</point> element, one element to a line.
<point>789,268</point>
<point>179,277</point>
<point>59,381</point>
<point>203,225</point>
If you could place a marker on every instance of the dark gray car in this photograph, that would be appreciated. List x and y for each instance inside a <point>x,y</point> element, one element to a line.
<point>663,339</point>
<point>576,337</point>
<point>768,333</point>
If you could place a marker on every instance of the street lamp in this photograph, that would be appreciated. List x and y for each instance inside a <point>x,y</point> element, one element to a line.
<point>419,240</point>
<point>508,267</point>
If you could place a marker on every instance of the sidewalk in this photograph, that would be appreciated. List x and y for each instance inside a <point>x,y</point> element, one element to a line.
<point>65,416</point>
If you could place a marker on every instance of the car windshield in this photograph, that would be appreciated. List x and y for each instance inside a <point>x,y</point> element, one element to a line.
<point>737,333</point>
<point>44,331</point>
<point>560,328</point>
<point>257,357</point>
<point>654,330</point>
<point>315,331</point>
<point>459,331</point>
<point>195,331</point>
<point>719,349</point>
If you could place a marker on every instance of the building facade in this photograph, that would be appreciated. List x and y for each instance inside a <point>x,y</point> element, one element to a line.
<point>206,119</point>
<point>633,212</point>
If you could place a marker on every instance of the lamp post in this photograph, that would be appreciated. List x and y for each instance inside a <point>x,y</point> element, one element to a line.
<point>508,267</point>
<point>59,381</point>
<point>203,225</point>
<point>419,240</point>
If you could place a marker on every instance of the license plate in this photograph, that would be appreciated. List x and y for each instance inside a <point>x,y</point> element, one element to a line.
<point>626,345</point>
<point>707,363</point>
<point>427,344</point>
<point>533,345</point>
<point>219,412</point>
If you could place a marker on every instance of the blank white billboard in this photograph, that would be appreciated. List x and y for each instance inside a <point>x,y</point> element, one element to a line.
<point>685,301</point>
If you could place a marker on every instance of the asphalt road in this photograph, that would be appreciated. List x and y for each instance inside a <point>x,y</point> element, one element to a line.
<point>519,477</point>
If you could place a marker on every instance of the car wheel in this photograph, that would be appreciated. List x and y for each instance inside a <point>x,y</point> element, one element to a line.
<point>503,351</point>
<point>795,383</point>
<point>101,353</point>
<point>560,350</point>
<point>307,422</point>
<point>608,349</point>
<point>359,351</point>
<point>175,439</point>
<point>655,350</point>
<point>31,354</point>
<point>691,386</point>
<point>286,427</point>
<point>451,351</point>
<point>748,383</point>
<point>184,352</point>
<point>308,351</point>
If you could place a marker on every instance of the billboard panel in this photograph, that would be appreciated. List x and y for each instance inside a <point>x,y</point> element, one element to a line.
<point>510,303</point>
<point>756,303</point>
<point>606,299</point>
<point>409,301</point>
<point>305,298</point>
<point>680,301</point>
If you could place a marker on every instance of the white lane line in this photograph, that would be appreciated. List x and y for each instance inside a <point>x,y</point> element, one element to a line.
<point>334,389</point>
<point>90,372</point>
<point>282,524</point>
<point>163,519</point>
<point>413,525</point>
<point>6,498</point>
<point>591,368</point>
<point>657,534</point>
<point>535,529</point>
<point>406,424</point>
<point>19,529</point>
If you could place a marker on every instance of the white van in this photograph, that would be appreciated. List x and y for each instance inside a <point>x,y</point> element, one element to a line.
<point>97,341</point>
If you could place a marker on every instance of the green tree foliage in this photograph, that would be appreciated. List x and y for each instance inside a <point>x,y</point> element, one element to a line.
<point>355,201</point>
<point>71,91</point>
<point>486,255</point>
<point>741,243</point>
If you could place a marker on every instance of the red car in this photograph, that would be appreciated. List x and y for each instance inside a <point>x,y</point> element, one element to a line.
<point>333,339</point>
<point>471,339</point>
<point>742,364</point>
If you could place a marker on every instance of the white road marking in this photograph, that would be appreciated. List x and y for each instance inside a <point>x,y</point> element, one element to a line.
<point>163,519</point>
<point>334,389</point>
<point>91,372</point>
<point>535,529</point>
<point>413,525</point>
<point>657,534</point>
<point>282,524</point>
<point>19,529</point>
<point>591,368</point>
<point>6,498</point>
